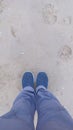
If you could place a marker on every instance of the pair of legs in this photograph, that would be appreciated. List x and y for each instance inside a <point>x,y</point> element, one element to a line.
<point>51,114</point>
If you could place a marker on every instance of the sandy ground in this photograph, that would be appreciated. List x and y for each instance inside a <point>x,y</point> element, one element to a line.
<point>36,35</point>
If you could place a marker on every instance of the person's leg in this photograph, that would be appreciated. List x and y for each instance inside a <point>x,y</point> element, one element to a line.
<point>9,115</point>
<point>51,114</point>
<point>24,105</point>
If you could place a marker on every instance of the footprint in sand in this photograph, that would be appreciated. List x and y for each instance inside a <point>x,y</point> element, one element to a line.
<point>65,53</point>
<point>66,20</point>
<point>49,14</point>
<point>2,6</point>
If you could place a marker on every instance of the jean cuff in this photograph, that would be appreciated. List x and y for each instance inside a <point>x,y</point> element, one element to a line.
<point>29,88</point>
<point>40,87</point>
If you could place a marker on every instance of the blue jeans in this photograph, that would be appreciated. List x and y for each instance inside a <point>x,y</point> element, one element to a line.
<point>51,114</point>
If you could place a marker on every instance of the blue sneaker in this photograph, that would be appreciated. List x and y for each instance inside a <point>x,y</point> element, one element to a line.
<point>42,79</point>
<point>27,80</point>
